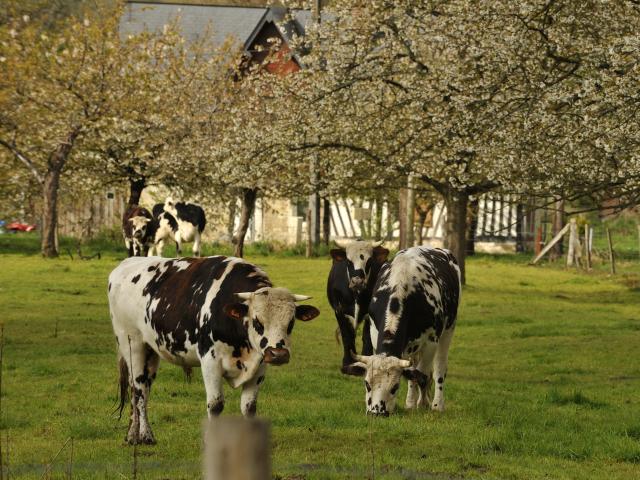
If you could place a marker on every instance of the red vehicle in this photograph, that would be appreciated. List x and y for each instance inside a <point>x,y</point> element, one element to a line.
<point>20,227</point>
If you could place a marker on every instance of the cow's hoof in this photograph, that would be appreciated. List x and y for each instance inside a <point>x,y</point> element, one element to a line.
<point>355,370</point>
<point>147,439</point>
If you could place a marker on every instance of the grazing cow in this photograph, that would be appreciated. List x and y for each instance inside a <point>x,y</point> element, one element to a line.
<point>351,280</point>
<point>182,222</point>
<point>413,315</point>
<point>219,313</point>
<point>138,229</point>
<point>167,228</point>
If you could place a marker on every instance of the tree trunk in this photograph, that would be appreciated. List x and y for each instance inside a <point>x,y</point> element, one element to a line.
<point>313,223</point>
<point>422,218</point>
<point>136,186</point>
<point>50,213</point>
<point>326,220</point>
<point>472,221</point>
<point>520,239</point>
<point>50,186</point>
<point>558,224</point>
<point>456,226</point>
<point>402,216</point>
<point>377,234</point>
<point>248,205</point>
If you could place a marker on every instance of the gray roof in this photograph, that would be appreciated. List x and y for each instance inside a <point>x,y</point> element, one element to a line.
<point>241,23</point>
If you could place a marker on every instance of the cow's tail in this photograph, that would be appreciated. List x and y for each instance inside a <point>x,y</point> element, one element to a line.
<point>123,382</point>
<point>337,334</point>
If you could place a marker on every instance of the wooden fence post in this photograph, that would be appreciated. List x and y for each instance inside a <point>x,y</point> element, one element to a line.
<point>548,247</point>
<point>587,247</point>
<point>574,251</point>
<point>612,257</point>
<point>236,448</point>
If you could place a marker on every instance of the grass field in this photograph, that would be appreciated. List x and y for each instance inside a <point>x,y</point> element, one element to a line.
<point>544,382</point>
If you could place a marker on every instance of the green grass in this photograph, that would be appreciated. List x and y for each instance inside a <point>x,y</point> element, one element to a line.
<point>543,382</point>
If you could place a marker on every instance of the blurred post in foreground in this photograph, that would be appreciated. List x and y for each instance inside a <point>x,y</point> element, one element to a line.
<point>236,448</point>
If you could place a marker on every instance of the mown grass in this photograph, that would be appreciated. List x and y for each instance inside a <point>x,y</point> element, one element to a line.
<point>543,383</point>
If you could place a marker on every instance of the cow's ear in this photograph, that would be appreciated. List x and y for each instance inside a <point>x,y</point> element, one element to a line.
<point>306,312</point>
<point>356,369</point>
<point>236,310</point>
<point>417,376</point>
<point>339,254</point>
<point>380,254</point>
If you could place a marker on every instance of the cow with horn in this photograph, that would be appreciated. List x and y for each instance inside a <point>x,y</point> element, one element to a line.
<point>413,315</point>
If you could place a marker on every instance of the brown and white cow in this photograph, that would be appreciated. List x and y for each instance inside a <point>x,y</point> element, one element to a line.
<point>219,313</point>
<point>138,230</point>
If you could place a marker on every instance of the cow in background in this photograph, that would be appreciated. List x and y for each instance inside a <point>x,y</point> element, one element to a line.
<point>178,221</point>
<point>138,230</point>
<point>351,280</point>
<point>413,315</point>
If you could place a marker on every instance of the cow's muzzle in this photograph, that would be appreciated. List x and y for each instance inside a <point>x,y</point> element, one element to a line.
<point>378,413</point>
<point>276,356</point>
<point>357,284</point>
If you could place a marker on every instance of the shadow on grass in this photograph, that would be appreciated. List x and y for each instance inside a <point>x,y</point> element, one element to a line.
<point>576,397</point>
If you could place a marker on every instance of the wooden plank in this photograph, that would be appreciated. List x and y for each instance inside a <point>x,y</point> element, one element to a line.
<point>236,448</point>
<point>550,245</point>
<point>612,257</point>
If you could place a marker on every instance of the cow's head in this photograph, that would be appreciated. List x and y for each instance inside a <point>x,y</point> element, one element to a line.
<point>382,375</point>
<point>139,226</point>
<point>360,256</point>
<point>268,315</point>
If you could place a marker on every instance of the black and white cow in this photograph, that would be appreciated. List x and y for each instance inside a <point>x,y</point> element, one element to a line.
<point>219,313</point>
<point>351,280</point>
<point>138,230</point>
<point>181,222</point>
<point>413,313</point>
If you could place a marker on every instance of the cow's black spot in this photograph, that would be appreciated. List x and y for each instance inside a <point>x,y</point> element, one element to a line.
<point>387,336</point>
<point>215,408</point>
<point>395,388</point>
<point>239,365</point>
<point>369,401</point>
<point>439,388</point>
<point>280,344</point>
<point>367,386</point>
<point>290,327</point>
<point>135,279</point>
<point>251,409</point>
<point>109,286</point>
<point>260,379</point>
<point>263,342</point>
<point>236,352</point>
<point>394,305</point>
<point>151,269</point>
<point>259,327</point>
<point>361,257</point>
<point>440,380</point>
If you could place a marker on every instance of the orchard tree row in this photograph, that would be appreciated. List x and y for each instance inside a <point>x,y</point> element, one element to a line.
<point>529,97</point>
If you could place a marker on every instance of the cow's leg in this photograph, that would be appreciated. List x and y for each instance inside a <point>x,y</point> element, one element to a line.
<point>418,396</point>
<point>178,243</point>
<point>440,369</point>
<point>346,324</point>
<point>249,395</point>
<point>160,247</point>
<point>212,375</point>
<point>142,363</point>
<point>129,244</point>
<point>196,244</point>
<point>152,359</point>
<point>367,344</point>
